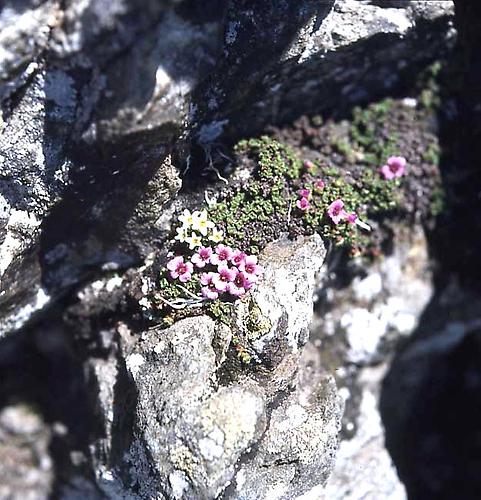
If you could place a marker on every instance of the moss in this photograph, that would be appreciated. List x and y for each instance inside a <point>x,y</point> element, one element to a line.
<point>431,155</point>
<point>246,212</point>
<point>438,201</point>
<point>344,147</point>
<point>259,210</point>
<point>242,351</point>
<point>221,311</point>
<point>256,324</point>
<point>429,88</point>
<point>367,135</point>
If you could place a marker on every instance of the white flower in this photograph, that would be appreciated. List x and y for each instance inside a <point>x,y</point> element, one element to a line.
<point>181,234</point>
<point>186,218</point>
<point>216,235</point>
<point>194,240</point>
<point>201,223</point>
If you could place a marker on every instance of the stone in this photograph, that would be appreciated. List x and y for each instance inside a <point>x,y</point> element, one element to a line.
<point>197,430</point>
<point>103,104</point>
<point>364,468</point>
<point>432,386</point>
<point>382,303</point>
<point>26,469</point>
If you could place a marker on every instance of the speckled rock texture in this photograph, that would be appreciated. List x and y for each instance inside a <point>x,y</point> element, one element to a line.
<point>82,145</point>
<point>26,469</point>
<point>107,106</point>
<point>199,430</point>
<point>363,313</point>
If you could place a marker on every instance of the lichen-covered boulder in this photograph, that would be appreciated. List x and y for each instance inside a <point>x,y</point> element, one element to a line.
<point>198,431</point>
<point>26,469</point>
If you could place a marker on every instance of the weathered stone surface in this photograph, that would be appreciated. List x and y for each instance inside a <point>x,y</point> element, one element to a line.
<point>26,469</point>
<point>382,303</point>
<point>362,314</point>
<point>193,431</point>
<point>430,400</point>
<point>82,144</point>
<point>354,52</point>
<point>99,100</point>
<point>297,451</point>
<point>363,467</point>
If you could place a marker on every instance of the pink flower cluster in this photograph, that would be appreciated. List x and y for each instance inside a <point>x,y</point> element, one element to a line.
<point>306,193</point>
<point>227,271</point>
<point>395,167</point>
<point>337,213</point>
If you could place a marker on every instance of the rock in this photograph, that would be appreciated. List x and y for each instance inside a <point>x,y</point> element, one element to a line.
<point>26,469</point>
<point>362,314</point>
<point>298,450</point>
<point>103,102</point>
<point>280,89</point>
<point>199,429</point>
<point>363,466</point>
<point>382,303</point>
<point>82,146</point>
<point>430,400</point>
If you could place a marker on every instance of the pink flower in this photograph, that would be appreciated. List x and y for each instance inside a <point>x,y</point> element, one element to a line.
<point>336,211</point>
<point>303,204</point>
<point>209,290</point>
<point>309,165</point>
<point>202,257</point>
<point>222,254</point>
<point>250,268</point>
<point>242,283</point>
<point>238,257</point>
<point>319,184</point>
<point>223,277</point>
<point>238,287</point>
<point>305,193</point>
<point>396,167</point>
<point>352,218</point>
<point>180,269</point>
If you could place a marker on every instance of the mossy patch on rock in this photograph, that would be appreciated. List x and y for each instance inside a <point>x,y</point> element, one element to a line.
<point>261,206</point>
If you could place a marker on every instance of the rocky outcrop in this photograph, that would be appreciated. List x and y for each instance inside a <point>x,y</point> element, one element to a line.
<point>26,470</point>
<point>82,145</point>
<point>433,385</point>
<point>363,314</point>
<point>105,106</point>
<point>200,429</point>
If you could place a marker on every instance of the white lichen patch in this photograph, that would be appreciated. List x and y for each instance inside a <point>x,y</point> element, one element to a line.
<point>23,314</point>
<point>179,483</point>
<point>285,294</point>
<point>134,362</point>
<point>19,223</point>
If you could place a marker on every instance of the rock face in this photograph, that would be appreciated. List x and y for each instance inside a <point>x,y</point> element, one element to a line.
<point>432,386</point>
<point>199,431</point>
<point>363,313</point>
<point>79,139</point>
<point>26,470</point>
<point>103,104</point>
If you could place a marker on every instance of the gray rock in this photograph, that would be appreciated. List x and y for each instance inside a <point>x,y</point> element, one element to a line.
<point>363,468</point>
<point>97,98</point>
<point>432,386</point>
<point>382,303</point>
<point>298,449</point>
<point>26,469</point>
<point>194,431</point>
<point>333,50</point>
<point>73,123</point>
<point>357,328</point>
